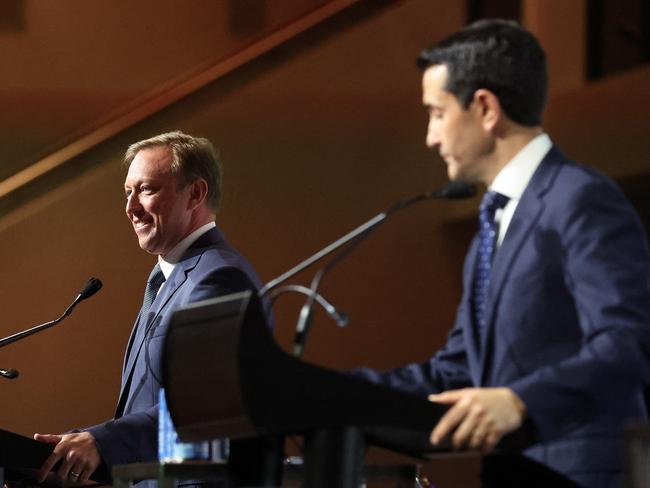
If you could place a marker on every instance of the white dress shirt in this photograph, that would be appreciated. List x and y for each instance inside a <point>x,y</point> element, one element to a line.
<point>168,263</point>
<point>513,179</point>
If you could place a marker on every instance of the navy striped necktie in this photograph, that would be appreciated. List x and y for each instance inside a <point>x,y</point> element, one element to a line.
<point>155,281</point>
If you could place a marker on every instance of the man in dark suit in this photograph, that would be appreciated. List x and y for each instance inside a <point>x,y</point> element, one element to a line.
<point>172,192</point>
<point>553,329</point>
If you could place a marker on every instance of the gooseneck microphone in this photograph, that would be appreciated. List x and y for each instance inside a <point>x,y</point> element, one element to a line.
<point>452,191</point>
<point>92,286</point>
<point>340,317</point>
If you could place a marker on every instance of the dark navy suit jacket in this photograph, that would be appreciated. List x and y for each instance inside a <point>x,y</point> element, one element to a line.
<point>210,268</point>
<point>568,319</point>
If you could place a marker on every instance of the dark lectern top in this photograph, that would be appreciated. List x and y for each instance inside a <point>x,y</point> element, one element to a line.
<point>225,376</point>
<point>19,452</point>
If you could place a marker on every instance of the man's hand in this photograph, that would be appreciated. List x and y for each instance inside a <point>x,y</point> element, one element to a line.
<point>480,416</point>
<point>78,455</point>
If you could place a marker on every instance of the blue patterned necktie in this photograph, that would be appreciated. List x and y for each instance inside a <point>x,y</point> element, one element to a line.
<point>492,201</point>
<point>155,281</point>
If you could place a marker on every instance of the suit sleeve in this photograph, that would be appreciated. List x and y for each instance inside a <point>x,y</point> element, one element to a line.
<point>446,370</point>
<point>133,437</point>
<point>128,439</point>
<point>607,273</point>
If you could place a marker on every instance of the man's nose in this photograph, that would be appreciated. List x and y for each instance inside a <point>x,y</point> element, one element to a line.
<point>433,138</point>
<point>132,204</point>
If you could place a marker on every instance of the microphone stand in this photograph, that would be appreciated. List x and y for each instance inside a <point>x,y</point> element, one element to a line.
<point>20,335</point>
<point>454,190</point>
<point>92,286</point>
<point>340,317</point>
<point>354,238</point>
<point>322,253</point>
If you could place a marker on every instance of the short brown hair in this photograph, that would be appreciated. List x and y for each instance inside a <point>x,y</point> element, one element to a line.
<point>192,158</point>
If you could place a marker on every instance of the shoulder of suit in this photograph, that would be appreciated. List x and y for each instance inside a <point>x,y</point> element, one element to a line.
<point>563,176</point>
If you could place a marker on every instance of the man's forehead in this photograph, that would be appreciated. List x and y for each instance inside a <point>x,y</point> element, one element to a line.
<point>434,79</point>
<point>152,159</point>
<point>437,69</point>
<point>155,153</point>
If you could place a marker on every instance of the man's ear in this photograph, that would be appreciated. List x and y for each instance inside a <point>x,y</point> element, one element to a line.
<point>198,192</point>
<point>489,109</point>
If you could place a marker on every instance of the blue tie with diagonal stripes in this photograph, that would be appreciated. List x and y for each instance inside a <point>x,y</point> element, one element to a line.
<point>487,240</point>
<point>155,281</point>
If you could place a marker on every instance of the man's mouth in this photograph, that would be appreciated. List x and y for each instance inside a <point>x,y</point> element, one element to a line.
<point>140,225</point>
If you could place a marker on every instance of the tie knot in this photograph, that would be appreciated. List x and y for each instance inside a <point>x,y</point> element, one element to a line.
<point>491,202</point>
<point>156,278</point>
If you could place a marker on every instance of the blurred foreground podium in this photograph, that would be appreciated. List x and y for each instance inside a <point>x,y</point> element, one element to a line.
<point>225,376</point>
<point>19,455</point>
<point>637,443</point>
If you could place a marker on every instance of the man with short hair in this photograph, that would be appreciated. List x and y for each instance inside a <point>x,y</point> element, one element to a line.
<point>553,328</point>
<point>172,191</point>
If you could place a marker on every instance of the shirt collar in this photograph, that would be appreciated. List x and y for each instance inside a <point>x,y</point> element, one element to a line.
<point>174,256</point>
<point>513,179</point>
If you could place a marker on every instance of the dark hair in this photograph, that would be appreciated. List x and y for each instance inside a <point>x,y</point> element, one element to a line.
<point>500,56</point>
<point>192,158</point>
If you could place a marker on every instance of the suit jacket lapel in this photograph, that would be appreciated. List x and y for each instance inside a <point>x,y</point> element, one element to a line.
<point>181,271</point>
<point>473,340</point>
<point>175,281</point>
<point>129,346</point>
<point>526,215</point>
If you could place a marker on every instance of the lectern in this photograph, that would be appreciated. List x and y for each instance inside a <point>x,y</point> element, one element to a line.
<point>225,376</point>
<point>19,455</point>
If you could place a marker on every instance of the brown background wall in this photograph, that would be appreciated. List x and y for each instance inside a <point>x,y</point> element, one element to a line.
<point>316,138</point>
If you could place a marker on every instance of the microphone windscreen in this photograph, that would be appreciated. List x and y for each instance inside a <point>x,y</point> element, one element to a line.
<point>10,373</point>
<point>457,190</point>
<point>92,286</point>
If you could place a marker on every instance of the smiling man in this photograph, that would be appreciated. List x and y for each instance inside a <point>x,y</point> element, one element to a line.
<point>553,329</point>
<point>172,192</point>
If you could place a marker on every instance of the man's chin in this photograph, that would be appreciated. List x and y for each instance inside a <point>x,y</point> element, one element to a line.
<point>453,174</point>
<point>148,246</point>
